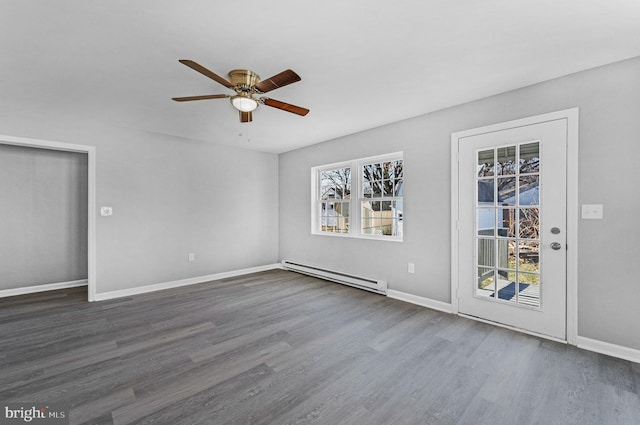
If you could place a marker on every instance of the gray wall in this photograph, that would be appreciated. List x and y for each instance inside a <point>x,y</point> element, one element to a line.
<point>43,216</point>
<point>609,102</point>
<point>170,197</point>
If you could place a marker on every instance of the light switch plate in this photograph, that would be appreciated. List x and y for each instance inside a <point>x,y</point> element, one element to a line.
<point>592,211</point>
<point>106,211</point>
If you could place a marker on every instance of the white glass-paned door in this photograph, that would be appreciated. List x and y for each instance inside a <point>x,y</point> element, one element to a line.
<point>512,227</point>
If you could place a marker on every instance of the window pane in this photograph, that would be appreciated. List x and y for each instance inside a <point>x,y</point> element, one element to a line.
<point>368,172</point>
<point>335,184</point>
<point>398,188</point>
<point>367,226</point>
<point>372,172</point>
<point>398,169</point>
<point>372,216</point>
<point>387,187</point>
<point>367,191</point>
<point>397,209</point>
<point>386,218</point>
<point>486,163</point>
<point>342,209</point>
<point>387,170</point>
<point>335,217</point>
<point>372,180</point>
<point>376,187</point>
<point>530,158</point>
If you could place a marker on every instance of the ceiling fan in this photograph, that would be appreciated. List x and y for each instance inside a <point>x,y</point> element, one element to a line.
<point>247,84</point>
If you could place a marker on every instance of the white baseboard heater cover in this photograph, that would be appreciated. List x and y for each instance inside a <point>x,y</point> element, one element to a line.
<point>373,285</point>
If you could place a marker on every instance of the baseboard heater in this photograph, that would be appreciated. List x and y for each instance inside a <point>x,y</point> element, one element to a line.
<point>373,285</point>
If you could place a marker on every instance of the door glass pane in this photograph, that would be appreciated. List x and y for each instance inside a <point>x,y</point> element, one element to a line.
<point>529,289</point>
<point>486,252</point>
<point>486,163</point>
<point>507,191</point>
<point>505,285</point>
<point>529,223</point>
<point>485,221</point>
<point>529,190</point>
<point>506,163</point>
<point>504,253</point>
<point>485,193</point>
<point>529,257</point>
<point>507,222</point>
<point>530,158</point>
<point>485,286</point>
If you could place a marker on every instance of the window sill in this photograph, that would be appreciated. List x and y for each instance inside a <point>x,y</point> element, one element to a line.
<point>353,236</point>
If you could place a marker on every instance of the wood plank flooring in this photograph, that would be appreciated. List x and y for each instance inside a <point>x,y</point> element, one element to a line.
<point>282,348</point>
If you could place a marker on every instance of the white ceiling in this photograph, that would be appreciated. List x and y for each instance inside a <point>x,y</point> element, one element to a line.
<point>363,63</point>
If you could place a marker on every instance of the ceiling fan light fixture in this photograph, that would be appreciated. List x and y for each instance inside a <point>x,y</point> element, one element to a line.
<point>246,84</point>
<point>244,104</point>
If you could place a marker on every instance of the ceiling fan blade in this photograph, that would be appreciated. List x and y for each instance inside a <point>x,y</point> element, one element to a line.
<point>205,97</point>
<point>246,116</point>
<point>279,80</point>
<point>204,71</point>
<point>285,106</point>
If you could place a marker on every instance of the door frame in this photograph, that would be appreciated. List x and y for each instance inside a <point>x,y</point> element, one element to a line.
<point>571,115</point>
<point>91,194</point>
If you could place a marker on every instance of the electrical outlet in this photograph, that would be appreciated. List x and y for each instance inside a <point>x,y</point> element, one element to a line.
<point>411,268</point>
<point>192,256</point>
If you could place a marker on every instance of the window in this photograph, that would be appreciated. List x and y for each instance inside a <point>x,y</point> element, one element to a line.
<point>373,210</point>
<point>335,195</point>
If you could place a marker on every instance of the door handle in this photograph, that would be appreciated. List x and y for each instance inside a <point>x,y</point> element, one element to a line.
<point>556,245</point>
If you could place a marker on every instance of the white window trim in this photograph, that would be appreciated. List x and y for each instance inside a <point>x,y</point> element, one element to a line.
<point>354,202</point>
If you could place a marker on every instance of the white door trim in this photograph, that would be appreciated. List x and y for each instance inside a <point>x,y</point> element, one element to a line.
<point>571,115</point>
<point>91,195</point>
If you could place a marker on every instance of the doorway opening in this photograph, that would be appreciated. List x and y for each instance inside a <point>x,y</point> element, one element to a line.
<point>91,161</point>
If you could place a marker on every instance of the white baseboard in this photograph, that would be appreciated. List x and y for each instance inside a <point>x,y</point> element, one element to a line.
<point>183,282</point>
<point>41,288</point>
<point>612,350</point>
<point>421,301</point>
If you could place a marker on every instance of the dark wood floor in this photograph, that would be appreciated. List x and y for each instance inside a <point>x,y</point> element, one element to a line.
<point>282,348</point>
